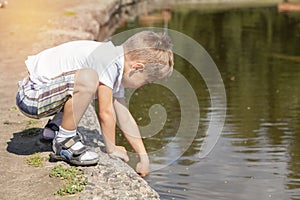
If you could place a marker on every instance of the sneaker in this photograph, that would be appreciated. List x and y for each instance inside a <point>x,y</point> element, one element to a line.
<point>73,151</point>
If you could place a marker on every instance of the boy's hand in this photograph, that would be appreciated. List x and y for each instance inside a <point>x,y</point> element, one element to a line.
<point>129,125</point>
<point>120,152</point>
<point>142,167</point>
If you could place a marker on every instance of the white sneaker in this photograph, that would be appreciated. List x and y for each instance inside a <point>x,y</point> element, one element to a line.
<point>73,151</point>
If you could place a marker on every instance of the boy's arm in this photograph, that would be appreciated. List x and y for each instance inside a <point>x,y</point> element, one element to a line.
<point>106,117</point>
<point>132,134</point>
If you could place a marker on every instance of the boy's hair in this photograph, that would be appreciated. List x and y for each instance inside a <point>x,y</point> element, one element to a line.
<point>154,50</point>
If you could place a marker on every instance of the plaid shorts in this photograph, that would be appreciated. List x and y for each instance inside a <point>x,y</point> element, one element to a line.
<point>43,100</point>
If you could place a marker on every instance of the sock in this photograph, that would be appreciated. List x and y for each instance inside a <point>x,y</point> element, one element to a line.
<point>48,133</point>
<point>63,134</point>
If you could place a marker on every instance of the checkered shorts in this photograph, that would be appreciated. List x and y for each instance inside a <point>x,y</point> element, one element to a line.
<point>43,100</point>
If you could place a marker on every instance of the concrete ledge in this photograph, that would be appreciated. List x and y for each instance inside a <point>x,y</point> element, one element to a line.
<point>111,178</point>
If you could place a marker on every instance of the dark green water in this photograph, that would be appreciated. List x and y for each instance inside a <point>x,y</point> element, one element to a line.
<point>257,52</point>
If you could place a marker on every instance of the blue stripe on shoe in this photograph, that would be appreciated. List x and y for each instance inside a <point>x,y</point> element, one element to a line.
<point>65,154</point>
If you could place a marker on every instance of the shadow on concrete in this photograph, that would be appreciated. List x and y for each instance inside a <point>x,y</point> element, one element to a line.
<point>30,141</point>
<point>27,142</point>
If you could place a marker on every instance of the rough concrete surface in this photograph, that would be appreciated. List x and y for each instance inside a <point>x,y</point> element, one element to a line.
<point>111,178</point>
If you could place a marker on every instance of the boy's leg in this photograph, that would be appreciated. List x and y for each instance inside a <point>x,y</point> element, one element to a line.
<point>85,85</point>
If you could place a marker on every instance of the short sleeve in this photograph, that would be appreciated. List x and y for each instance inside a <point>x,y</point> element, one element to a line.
<point>110,68</point>
<point>120,93</point>
<point>108,76</point>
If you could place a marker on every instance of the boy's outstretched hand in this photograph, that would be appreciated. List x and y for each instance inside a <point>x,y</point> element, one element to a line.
<point>120,152</point>
<point>142,168</point>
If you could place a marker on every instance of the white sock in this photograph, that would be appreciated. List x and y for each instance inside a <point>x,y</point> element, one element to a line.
<point>63,134</point>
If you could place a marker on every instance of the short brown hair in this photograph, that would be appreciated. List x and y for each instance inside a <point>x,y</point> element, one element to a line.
<point>154,50</point>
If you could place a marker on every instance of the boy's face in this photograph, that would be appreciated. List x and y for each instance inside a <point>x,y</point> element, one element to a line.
<point>135,77</point>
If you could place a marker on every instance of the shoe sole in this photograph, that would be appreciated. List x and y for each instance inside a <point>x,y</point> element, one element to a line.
<point>56,158</point>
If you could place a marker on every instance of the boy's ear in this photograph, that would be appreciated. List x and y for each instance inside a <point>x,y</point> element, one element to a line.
<point>137,67</point>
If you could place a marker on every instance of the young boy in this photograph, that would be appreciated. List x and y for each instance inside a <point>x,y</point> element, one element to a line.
<point>63,80</point>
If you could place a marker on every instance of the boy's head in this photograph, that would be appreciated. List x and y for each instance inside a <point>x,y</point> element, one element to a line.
<point>148,58</point>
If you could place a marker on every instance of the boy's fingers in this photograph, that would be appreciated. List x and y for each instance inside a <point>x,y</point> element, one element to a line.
<point>140,171</point>
<point>142,174</point>
<point>121,148</point>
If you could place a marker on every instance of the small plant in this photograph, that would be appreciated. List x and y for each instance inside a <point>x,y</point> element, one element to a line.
<point>70,13</point>
<point>48,25</point>
<point>13,108</point>
<point>30,132</point>
<point>31,121</point>
<point>36,160</point>
<point>74,178</point>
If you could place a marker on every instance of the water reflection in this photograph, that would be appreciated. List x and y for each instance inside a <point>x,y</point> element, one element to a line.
<point>258,157</point>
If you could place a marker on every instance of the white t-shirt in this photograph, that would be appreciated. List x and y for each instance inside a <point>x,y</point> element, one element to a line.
<point>104,57</point>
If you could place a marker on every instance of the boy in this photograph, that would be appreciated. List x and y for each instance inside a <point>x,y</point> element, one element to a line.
<point>66,77</point>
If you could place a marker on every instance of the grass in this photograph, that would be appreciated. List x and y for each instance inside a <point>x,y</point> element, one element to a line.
<point>36,160</point>
<point>30,132</point>
<point>74,179</point>
<point>70,13</point>
<point>31,121</point>
<point>13,108</point>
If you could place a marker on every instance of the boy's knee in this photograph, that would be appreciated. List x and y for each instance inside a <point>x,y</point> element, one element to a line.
<point>87,80</point>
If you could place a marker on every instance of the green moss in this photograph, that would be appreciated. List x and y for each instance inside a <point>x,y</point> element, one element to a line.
<point>70,13</point>
<point>31,121</point>
<point>30,132</point>
<point>48,25</point>
<point>13,108</point>
<point>74,179</point>
<point>36,160</point>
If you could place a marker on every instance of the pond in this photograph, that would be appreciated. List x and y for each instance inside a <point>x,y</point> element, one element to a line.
<point>257,156</point>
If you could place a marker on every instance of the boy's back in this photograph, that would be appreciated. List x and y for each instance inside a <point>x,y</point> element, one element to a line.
<point>69,57</point>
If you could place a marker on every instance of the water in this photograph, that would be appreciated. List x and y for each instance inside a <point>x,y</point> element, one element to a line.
<point>258,154</point>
